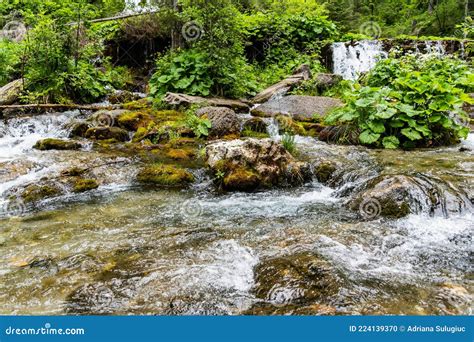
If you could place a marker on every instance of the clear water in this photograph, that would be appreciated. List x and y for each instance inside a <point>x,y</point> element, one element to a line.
<point>123,249</point>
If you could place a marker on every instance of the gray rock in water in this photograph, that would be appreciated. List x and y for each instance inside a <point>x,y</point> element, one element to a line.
<point>249,164</point>
<point>224,120</point>
<point>301,108</point>
<point>396,196</point>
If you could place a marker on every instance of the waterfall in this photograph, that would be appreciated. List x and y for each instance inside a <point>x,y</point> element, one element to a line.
<point>435,48</point>
<point>351,60</point>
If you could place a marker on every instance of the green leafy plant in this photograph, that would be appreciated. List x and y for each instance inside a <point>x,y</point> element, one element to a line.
<point>412,102</point>
<point>198,125</point>
<point>185,71</point>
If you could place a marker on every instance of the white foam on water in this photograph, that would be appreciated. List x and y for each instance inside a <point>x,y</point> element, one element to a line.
<point>269,204</point>
<point>18,135</point>
<point>409,249</point>
<point>224,265</point>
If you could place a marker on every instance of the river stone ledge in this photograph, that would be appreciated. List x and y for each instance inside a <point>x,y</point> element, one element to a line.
<point>300,108</point>
<point>250,164</point>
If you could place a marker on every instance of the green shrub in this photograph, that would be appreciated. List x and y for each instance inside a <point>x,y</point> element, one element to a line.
<point>183,72</point>
<point>60,68</point>
<point>415,101</point>
<point>10,53</point>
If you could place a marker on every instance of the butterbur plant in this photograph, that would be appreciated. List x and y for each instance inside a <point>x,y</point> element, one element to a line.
<point>410,103</point>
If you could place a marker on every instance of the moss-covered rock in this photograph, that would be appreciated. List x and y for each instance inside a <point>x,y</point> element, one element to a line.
<point>302,278</point>
<point>106,133</point>
<point>180,154</point>
<point>241,179</point>
<point>79,129</point>
<point>249,164</point>
<point>34,193</point>
<point>396,196</point>
<point>324,171</point>
<point>83,185</point>
<point>166,175</point>
<point>135,120</point>
<point>56,144</point>
<point>138,104</point>
<point>288,125</point>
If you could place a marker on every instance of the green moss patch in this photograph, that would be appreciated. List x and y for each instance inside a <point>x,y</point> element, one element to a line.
<point>83,185</point>
<point>166,175</point>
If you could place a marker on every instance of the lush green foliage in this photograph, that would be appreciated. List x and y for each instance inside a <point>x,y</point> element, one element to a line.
<point>395,17</point>
<point>409,102</point>
<point>9,60</point>
<point>240,52</point>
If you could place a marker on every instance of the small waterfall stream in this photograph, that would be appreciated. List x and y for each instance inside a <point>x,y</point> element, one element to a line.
<point>350,60</point>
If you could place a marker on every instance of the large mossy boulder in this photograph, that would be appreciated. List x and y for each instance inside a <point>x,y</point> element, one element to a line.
<point>165,175</point>
<point>250,164</point>
<point>303,279</point>
<point>224,121</point>
<point>132,121</point>
<point>300,108</point>
<point>107,133</point>
<point>56,144</point>
<point>396,196</point>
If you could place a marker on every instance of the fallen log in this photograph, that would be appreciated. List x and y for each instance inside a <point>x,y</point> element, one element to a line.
<point>28,109</point>
<point>183,99</point>
<point>301,74</point>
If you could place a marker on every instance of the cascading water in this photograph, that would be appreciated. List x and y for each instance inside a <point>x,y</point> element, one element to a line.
<point>161,251</point>
<point>350,60</point>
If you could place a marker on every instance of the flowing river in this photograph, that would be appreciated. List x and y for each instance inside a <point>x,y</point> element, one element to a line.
<point>128,249</point>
